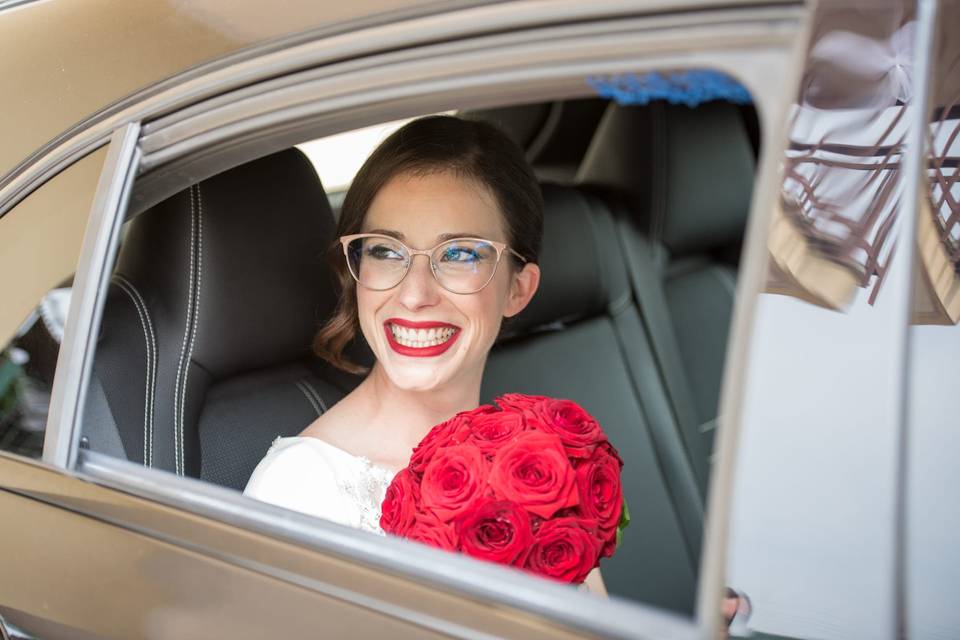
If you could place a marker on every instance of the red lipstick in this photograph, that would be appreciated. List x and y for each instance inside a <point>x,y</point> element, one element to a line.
<point>419,352</point>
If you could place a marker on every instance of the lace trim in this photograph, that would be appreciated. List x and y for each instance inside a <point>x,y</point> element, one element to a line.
<point>366,490</point>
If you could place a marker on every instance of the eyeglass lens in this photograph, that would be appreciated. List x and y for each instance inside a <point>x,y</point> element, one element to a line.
<point>460,265</point>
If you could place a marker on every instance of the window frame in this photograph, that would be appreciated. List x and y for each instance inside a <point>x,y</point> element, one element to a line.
<point>130,151</point>
<point>75,360</point>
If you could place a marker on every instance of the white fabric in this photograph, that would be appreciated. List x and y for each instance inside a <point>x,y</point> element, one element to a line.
<point>314,477</point>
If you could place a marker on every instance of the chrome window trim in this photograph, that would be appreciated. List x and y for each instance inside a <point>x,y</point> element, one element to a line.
<point>75,358</point>
<point>914,185</point>
<point>352,39</point>
<point>347,77</point>
<point>285,111</point>
<point>751,279</point>
<point>611,618</point>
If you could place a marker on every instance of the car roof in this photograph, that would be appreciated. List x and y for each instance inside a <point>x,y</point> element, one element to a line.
<point>67,61</point>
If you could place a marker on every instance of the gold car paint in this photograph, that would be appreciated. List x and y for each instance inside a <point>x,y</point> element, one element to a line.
<point>64,61</point>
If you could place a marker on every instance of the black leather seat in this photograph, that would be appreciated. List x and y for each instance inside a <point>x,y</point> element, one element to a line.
<point>204,353</point>
<point>680,182</point>
<point>580,338</point>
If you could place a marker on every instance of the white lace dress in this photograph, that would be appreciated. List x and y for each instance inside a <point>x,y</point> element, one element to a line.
<point>312,476</point>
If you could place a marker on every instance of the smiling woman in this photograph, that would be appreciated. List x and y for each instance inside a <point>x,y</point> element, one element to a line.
<point>462,191</point>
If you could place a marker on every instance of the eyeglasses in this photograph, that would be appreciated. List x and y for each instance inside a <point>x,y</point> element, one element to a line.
<point>460,265</point>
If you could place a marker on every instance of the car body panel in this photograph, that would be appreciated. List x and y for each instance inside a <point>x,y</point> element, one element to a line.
<point>103,563</point>
<point>103,50</point>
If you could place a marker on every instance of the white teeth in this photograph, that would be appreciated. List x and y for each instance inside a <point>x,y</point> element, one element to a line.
<point>421,338</point>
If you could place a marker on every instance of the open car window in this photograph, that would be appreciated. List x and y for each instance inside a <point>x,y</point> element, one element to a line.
<point>203,362</point>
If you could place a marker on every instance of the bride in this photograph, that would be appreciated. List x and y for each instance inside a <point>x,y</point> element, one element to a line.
<point>460,195</point>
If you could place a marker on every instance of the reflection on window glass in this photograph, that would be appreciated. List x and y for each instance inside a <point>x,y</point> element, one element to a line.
<point>933,437</point>
<point>812,529</point>
<point>27,365</point>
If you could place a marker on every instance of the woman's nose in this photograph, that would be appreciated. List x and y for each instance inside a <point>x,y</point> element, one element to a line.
<point>419,288</point>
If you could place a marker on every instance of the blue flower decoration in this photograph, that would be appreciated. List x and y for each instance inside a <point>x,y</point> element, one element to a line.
<point>679,87</point>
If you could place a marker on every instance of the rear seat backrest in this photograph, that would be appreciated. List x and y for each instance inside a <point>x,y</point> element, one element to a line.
<point>680,182</point>
<point>204,352</point>
<point>572,344</point>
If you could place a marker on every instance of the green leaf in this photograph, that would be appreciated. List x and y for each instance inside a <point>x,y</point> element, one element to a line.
<point>624,521</point>
<point>624,516</point>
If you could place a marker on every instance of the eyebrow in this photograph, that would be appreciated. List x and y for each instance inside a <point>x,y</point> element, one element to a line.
<point>441,237</point>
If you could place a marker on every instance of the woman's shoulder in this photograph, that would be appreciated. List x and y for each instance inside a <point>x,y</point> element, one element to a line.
<point>295,471</point>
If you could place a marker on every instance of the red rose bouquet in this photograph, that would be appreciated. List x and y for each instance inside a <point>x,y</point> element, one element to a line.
<point>532,482</point>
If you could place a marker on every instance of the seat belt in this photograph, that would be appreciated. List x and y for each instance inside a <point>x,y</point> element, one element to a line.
<point>642,268</point>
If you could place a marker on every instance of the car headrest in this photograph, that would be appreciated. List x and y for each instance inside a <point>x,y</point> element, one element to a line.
<point>581,273</point>
<point>241,258</point>
<point>688,173</point>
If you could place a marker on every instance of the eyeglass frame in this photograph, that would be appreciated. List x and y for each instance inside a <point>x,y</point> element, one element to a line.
<point>412,253</point>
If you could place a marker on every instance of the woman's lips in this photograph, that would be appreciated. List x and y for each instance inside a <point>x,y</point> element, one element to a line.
<point>419,352</point>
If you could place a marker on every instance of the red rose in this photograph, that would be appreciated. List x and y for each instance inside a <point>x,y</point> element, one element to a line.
<point>519,402</point>
<point>496,530</point>
<point>446,434</point>
<point>494,430</point>
<point>534,471</point>
<point>400,504</point>
<point>453,480</point>
<point>564,549</point>
<point>430,530</point>
<point>482,410</point>
<point>601,493</point>
<point>577,429</point>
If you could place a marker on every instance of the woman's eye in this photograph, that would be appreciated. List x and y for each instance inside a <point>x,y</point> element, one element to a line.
<point>383,252</point>
<point>460,254</point>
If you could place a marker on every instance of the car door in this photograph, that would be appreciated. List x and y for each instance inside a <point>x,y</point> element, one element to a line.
<point>98,547</point>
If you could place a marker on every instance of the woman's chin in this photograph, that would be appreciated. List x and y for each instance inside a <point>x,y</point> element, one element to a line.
<point>415,378</point>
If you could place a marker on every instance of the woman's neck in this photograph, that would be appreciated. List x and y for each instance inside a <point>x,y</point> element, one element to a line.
<point>406,416</point>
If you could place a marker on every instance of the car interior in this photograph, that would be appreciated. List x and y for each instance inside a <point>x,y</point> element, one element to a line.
<point>204,352</point>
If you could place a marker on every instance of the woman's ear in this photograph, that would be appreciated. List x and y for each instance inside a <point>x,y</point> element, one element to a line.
<point>523,285</point>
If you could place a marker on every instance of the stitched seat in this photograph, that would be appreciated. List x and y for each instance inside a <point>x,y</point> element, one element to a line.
<point>679,181</point>
<point>204,352</point>
<point>580,339</point>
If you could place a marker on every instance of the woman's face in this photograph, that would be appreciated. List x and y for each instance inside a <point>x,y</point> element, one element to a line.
<point>419,210</point>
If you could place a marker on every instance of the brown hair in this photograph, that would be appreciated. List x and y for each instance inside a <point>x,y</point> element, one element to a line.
<point>467,148</point>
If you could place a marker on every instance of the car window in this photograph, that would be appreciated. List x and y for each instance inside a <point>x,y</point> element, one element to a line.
<point>812,541</point>
<point>203,362</point>
<point>41,238</point>
<point>932,442</point>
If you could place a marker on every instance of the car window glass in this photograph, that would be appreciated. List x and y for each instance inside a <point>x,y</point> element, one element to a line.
<point>812,543</point>
<point>932,557</point>
<point>27,367</point>
<point>40,241</point>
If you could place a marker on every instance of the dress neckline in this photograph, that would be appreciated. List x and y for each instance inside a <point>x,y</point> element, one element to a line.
<point>343,452</point>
